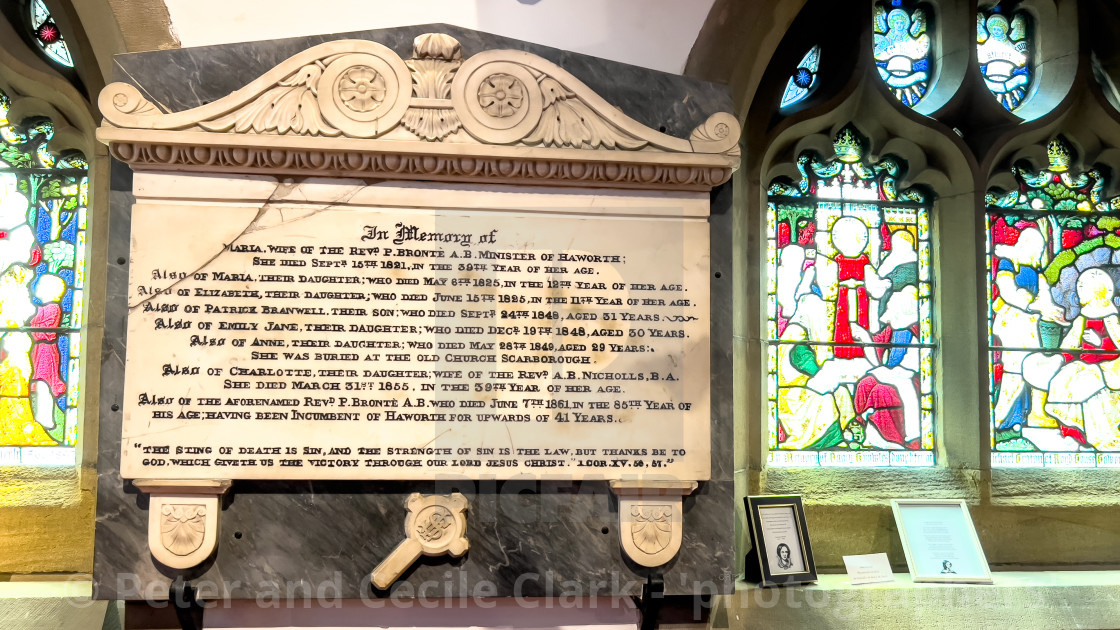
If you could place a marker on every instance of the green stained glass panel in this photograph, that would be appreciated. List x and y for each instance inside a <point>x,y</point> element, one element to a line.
<point>850,337</point>
<point>43,200</point>
<point>1053,319</point>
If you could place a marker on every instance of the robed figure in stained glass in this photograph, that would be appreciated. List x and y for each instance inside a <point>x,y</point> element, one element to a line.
<point>850,290</point>
<point>1054,257</point>
<point>1003,51</point>
<point>43,201</point>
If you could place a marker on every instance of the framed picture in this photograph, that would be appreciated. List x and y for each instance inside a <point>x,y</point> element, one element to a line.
<point>940,541</point>
<point>780,550</point>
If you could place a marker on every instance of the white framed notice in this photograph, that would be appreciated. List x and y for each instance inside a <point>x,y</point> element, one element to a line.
<point>940,541</point>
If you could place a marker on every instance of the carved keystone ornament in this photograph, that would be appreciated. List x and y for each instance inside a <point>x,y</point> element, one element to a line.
<point>355,108</point>
<point>435,525</point>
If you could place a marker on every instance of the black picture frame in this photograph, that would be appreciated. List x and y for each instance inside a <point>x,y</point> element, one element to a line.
<point>766,554</point>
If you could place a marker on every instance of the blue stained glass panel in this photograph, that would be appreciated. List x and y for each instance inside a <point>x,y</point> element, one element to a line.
<point>1003,49</point>
<point>804,78</point>
<point>901,47</point>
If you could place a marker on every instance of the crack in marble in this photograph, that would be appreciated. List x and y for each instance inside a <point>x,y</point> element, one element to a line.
<point>277,197</point>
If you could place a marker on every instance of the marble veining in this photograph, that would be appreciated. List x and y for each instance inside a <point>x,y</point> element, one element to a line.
<point>307,539</point>
<point>188,77</point>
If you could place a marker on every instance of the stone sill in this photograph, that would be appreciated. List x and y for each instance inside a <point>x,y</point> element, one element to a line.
<point>57,603</point>
<point>1017,599</point>
<point>20,587</point>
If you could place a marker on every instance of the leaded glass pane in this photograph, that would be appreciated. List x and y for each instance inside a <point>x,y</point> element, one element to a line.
<point>901,46</point>
<point>1054,332</point>
<point>1003,49</point>
<point>850,371</point>
<point>42,278</point>
<point>804,79</point>
<point>47,35</point>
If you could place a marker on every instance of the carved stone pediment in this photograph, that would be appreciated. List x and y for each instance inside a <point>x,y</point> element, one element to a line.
<point>355,108</point>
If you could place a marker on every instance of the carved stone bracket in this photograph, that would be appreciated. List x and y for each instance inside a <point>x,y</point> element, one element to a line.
<point>183,519</point>
<point>355,108</point>
<point>650,519</point>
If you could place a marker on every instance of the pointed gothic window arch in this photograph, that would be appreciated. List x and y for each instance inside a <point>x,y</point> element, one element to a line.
<point>1054,326</point>
<point>43,208</point>
<point>849,303</point>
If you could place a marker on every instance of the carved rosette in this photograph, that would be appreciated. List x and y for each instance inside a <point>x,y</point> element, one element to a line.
<point>650,518</point>
<point>183,518</point>
<point>498,101</point>
<point>361,94</point>
<point>502,115</point>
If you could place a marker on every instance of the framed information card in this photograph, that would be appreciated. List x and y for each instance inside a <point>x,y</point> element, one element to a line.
<point>940,541</point>
<point>780,550</point>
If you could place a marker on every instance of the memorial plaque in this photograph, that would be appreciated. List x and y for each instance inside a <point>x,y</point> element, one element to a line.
<point>449,273</point>
<point>295,342</point>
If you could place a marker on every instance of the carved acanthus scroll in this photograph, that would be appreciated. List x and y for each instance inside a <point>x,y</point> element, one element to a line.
<point>499,115</point>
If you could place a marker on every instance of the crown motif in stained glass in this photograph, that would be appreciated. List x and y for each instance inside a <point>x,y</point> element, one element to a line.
<point>849,145</point>
<point>1060,155</point>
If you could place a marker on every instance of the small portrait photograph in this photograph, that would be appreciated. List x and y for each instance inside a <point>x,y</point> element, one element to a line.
<point>947,567</point>
<point>782,535</point>
<point>784,559</point>
<point>780,550</point>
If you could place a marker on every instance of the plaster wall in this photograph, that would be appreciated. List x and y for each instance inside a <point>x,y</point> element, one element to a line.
<point>655,34</point>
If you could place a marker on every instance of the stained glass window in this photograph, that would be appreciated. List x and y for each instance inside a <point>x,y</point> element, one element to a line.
<point>850,361</point>
<point>1053,326</point>
<point>47,35</point>
<point>42,276</point>
<point>1003,49</point>
<point>804,78</point>
<point>901,46</point>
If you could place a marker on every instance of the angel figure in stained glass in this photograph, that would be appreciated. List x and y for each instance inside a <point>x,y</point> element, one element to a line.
<point>1003,52</point>
<point>901,48</point>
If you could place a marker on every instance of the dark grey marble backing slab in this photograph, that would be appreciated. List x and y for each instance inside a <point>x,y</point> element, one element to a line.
<point>188,77</point>
<point>283,540</point>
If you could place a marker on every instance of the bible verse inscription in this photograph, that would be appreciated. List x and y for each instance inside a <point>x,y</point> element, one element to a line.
<point>377,343</point>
